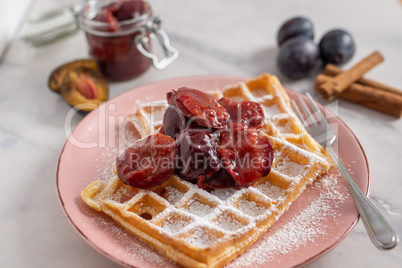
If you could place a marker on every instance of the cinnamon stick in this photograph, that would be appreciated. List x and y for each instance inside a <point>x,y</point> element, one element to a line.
<point>333,70</point>
<point>371,97</point>
<point>334,86</point>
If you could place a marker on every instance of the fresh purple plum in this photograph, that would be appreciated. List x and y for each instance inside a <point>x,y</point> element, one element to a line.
<point>337,47</point>
<point>297,57</point>
<point>294,27</point>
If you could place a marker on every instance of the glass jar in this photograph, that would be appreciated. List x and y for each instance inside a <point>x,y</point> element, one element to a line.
<point>123,48</point>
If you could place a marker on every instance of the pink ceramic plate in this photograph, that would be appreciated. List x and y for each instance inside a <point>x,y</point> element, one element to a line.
<point>315,223</point>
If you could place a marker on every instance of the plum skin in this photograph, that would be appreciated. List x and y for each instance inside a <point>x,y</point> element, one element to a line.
<point>337,47</point>
<point>297,57</point>
<point>246,112</point>
<point>148,162</point>
<point>197,153</point>
<point>246,154</point>
<point>297,26</point>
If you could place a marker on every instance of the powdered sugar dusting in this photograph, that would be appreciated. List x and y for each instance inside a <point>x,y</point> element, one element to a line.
<point>199,209</point>
<point>223,194</point>
<point>272,191</point>
<point>305,227</point>
<point>288,167</point>
<point>104,163</point>
<point>259,92</point>
<point>225,221</point>
<point>174,223</point>
<point>251,208</point>
<point>130,245</point>
<point>285,127</point>
<point>271,110</point>
<point>202,237</point>
<point>173,194</point>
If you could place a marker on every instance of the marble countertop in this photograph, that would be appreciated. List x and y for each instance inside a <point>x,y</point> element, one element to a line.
<point>214,37</point>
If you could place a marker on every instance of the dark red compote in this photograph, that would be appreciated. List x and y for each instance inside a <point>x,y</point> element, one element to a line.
<point>245,112</point>
<point>129,10</point>
<point>216,144</point>
<point>200,107</point>
<point>246,155</point>
<point>173,122</point>
<point>111,33</point>
<point>188,107</point>
<point>219,180</point>
<point>106,15</point>
<point>148,162</point>
<point>197,154</point>
<point>219,144</point>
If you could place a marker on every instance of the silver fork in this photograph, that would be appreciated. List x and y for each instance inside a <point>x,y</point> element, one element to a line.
<point>378,229</point>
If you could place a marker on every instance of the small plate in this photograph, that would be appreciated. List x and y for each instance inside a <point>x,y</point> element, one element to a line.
<point>315,223</point>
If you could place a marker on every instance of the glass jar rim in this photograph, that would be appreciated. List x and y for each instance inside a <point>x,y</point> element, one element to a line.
<point>91,26</point>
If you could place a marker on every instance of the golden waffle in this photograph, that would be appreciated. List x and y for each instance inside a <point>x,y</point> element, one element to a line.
<point>196,228</point>
<point>146,120</point>
<point>199,229</point>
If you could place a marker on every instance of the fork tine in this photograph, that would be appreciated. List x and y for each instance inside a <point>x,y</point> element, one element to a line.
<point>310,119</point>
<point>319,115</point>
<point>312,102</point>
<point>296,108</point>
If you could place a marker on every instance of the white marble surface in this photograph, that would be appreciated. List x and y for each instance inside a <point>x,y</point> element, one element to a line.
<point>213,37</point>
<point>12,13</point>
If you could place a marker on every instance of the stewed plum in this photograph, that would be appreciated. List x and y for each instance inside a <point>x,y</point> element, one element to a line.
<point>130,9</point>
<point>219,180</point>
<point>120,11</point>
<point>197,153</point>
<point>246,155</point>
<point>200,107</point>
<point>297,57</point>
<point>246,112</point>
<point>173,122</point>
<point>337,47</point>
<point>297,26</point>
<point>216,144</point>
<point>106,15</point>
<point>148,162</point>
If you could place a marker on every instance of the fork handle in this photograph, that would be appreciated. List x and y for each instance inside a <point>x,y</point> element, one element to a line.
<point>378,229</point>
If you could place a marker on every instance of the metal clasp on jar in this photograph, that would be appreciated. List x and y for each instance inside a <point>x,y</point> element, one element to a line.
<point>152,30</point>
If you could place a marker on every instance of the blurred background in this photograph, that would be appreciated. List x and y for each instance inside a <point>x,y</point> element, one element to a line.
<point>214,37</point>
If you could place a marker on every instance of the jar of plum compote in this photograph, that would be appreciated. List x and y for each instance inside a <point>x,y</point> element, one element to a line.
<point>119,35</point>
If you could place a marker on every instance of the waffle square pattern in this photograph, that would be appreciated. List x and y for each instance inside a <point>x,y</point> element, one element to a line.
<point>196,228</point>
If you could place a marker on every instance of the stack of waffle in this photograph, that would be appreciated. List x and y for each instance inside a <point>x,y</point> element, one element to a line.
<point>196,228</point>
